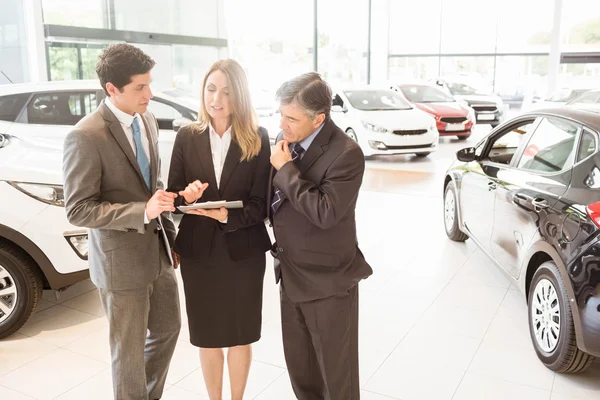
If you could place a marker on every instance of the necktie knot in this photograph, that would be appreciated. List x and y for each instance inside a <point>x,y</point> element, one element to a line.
<point>297,151</point>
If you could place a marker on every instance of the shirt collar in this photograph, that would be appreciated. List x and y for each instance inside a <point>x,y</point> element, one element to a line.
<point>123,117</point>
<point>213,132</point>
<point>308,141</point>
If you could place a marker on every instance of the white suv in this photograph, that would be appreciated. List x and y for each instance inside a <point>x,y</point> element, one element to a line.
<point>39,249</point>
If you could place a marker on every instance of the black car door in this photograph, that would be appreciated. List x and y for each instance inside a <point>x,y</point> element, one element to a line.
<point>528,191</point>
<point>479,180</point>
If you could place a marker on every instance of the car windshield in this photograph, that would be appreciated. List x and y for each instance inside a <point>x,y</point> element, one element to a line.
<point>376,100</point>
<point>565,95</point>
<point>460,89</point>
<point>425,94</point>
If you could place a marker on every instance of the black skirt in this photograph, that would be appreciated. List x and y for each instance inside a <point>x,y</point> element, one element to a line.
<point>223,298</point>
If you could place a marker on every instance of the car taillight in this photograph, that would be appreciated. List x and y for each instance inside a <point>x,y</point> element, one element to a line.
<point>593,211</point>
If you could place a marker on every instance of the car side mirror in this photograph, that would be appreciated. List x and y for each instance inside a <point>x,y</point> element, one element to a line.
<point>466,155</point>
<point>339,109</point>
<point>180,123</point>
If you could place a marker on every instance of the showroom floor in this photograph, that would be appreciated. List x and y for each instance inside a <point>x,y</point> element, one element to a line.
<point>437,319</point>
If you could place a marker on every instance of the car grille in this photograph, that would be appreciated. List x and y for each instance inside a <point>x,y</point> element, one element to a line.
<point>411,132</point>
<point>453,120</point>
<point>485,108</point>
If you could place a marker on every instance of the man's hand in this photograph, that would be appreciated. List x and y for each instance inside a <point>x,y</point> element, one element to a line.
<point>281,155</point>
<point>176,258</point>
<point>160,202</point>
<point>193,191</point>
<point>220,214</point>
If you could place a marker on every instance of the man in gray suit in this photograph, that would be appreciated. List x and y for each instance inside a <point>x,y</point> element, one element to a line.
<point>112,186</point>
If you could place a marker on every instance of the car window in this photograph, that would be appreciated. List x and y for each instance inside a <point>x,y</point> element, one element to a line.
<point>61,108</point>
<point>337,100</point>
<point>587,98</point>
<point>164,113</point>
<point>11,106</point>
<point>550,147</point>
<point>426,94</point>
<point>587,147</point>
<point>376,100</point>
<point>505,147</point>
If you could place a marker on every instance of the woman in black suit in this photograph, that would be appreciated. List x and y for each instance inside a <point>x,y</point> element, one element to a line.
<point>223,156</point>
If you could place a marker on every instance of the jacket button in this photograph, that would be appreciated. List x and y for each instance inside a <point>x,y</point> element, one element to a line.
<point>280,249</point>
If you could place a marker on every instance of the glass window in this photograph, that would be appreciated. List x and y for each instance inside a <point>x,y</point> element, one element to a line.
<point>588,145</point>
<point>505,147</point>
<point>550,147</point>
<point>372,100</point>
<point>11,106</point>
<point>88,14</point>
<point>415,29</point>
<point>411,68</point>
<point>64,63</point>
<point>519,32</point>
<point>62,108</point>
<point>521,79</point>
<point>581,26</point>
<point>476,72</point>
<point>463,34</point>
<point>343,41</point>
<point>586,98</point>
<point>425,94</point>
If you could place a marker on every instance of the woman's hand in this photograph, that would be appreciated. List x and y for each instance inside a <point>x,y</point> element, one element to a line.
<point>193,191</point>
<point>220,214</point>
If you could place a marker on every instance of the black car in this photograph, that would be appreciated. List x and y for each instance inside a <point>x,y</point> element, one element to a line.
<point>529,195</point>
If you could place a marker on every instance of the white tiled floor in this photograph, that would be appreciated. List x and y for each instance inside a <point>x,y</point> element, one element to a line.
<point>438,320</point>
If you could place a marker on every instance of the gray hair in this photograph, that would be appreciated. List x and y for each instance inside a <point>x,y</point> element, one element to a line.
<point>309,92</point>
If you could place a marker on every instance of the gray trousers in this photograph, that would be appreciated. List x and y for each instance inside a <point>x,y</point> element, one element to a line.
<point>144,326</point>
<point>320,343</point>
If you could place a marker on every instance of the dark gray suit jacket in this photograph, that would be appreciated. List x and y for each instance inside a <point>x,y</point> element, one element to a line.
<point>316,249</point>
<point>105,192</point>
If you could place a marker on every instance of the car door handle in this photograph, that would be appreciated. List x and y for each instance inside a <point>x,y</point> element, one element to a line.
<point>539,204</point>
<point>492,186</point>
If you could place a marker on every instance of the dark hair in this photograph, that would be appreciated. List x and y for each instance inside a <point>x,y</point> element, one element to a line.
<point>119,62</point>
<point>309,91</point>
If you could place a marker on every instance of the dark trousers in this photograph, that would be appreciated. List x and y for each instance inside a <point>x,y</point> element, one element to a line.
<point>320,341</point>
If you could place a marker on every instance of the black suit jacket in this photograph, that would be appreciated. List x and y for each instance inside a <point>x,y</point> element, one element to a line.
<point>317,254</point>
<point>245,231</point>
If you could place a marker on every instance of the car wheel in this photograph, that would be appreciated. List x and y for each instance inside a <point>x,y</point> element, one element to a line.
<point>463,137</point>
<point>352,135</point>
<point>551,322</point>
<point>451,215</point>
<point>422,155</point>
<point>20,289</point>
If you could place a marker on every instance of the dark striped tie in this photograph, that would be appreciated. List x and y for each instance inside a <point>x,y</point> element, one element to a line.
<point>279,197</point>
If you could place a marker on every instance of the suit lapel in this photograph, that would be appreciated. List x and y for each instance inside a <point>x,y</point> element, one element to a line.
<point>202,143</point>
<point>234,154</point>
<point>117,131</point>
<point>153,151</point>
<point>316,148</point>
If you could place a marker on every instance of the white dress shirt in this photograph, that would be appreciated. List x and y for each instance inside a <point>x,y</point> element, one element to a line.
<point>219,146</point>
<point>126,121</point>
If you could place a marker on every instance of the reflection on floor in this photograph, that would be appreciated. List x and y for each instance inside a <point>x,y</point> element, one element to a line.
<point>438,321</point>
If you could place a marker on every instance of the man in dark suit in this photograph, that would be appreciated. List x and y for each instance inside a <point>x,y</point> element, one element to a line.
<point>312,200</point>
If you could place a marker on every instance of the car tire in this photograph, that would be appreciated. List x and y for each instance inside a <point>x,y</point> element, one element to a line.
<point>465,137</point>
<point>422,155</point>
<point>548,297</point>
<point>451,215</point>
<point>19,272</point>
<point>352,134</point>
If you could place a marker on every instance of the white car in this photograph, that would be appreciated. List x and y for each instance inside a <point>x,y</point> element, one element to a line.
<point>383,122</point>
<point>43,113</point>
<point>39,249</point>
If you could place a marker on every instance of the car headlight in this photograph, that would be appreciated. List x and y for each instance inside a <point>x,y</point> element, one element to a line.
<point>49,194</point>
<point>471,114</point>
<point>374,128</point>
<point>4,140</point>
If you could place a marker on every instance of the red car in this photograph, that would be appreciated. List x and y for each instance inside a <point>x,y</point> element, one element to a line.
<point>452,118</point>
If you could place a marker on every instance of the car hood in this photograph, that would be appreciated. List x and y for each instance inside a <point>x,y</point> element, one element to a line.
<point>447,109</point>
<point>24,161</point>
<point>481,99</point>
<point>398,119</point>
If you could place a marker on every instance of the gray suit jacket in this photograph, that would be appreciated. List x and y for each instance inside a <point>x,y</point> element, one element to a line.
<point>105,192</point>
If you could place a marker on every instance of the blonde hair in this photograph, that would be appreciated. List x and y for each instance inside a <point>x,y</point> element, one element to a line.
<point>244,125</point>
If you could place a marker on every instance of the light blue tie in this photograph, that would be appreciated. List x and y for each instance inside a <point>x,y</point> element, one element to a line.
<point>141,157</point>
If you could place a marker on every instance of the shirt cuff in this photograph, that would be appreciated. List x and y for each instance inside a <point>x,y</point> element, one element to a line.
<point>146,220</point>
<point>224,222</point>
